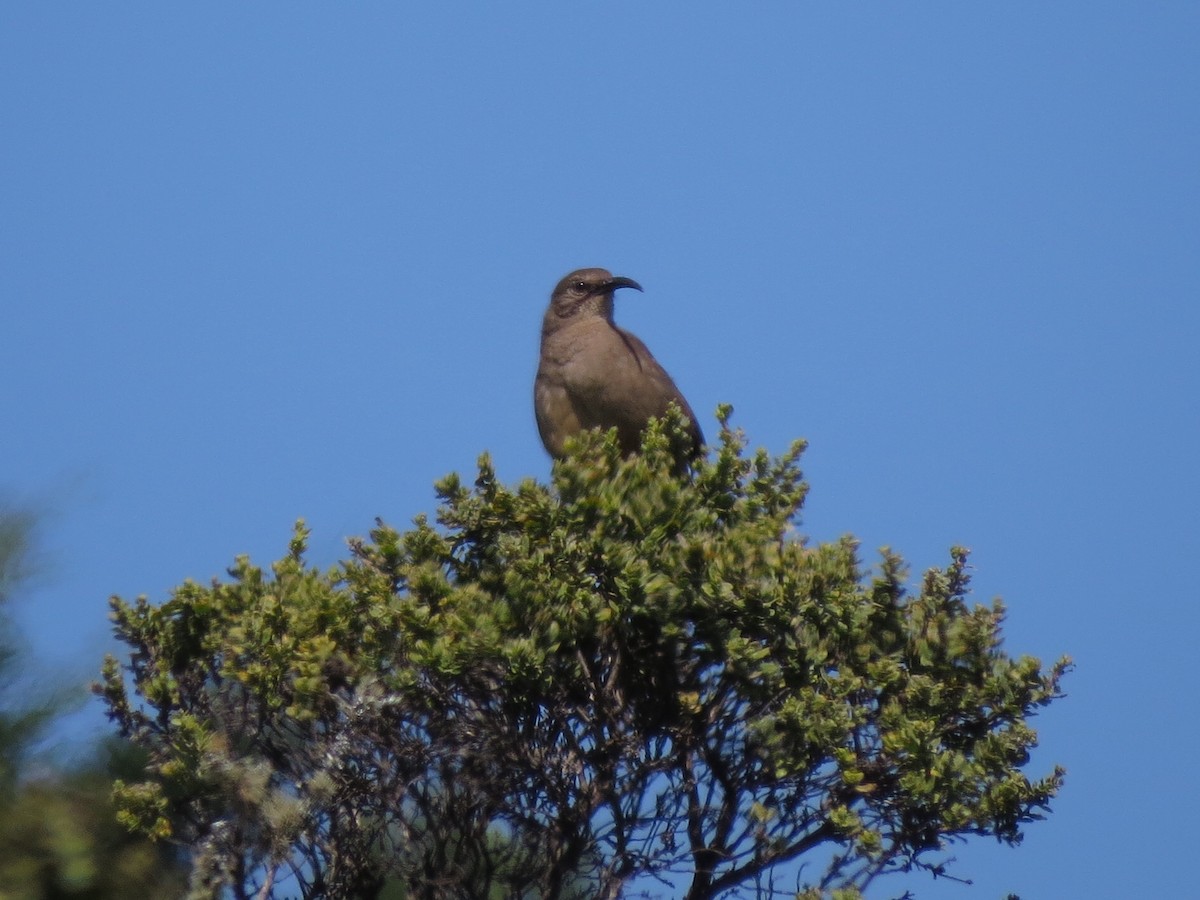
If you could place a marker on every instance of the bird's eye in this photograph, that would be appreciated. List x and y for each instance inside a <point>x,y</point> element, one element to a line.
<point>581,285</point>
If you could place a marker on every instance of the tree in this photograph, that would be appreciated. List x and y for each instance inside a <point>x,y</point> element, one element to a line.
<point>21,720</point>
<point>59,838</point>
<point>569,689</point>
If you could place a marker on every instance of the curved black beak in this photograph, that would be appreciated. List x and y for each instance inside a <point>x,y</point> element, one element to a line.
<point>620,281</point>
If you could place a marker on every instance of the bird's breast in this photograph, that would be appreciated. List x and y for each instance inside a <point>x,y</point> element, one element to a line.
<point>584,358</point>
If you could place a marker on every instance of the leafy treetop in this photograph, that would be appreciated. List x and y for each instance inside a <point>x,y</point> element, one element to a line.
<point>570,689</point>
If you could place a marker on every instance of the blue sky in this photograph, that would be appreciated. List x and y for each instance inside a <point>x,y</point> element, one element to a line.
<point>267,261</point>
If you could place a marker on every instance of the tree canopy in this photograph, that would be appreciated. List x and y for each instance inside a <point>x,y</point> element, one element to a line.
<point>577,689</point>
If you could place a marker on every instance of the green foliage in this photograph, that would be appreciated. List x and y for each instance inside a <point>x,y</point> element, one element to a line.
<point>59,837</point>
<point>22,718</point>
<point>560,689</point>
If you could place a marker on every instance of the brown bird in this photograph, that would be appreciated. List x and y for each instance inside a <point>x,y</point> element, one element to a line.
<point>593,374</point>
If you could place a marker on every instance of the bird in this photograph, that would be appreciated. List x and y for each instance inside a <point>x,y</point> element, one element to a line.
<point>594,374</point>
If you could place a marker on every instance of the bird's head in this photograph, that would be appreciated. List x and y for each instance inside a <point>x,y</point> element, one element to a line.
<point>585,293</point>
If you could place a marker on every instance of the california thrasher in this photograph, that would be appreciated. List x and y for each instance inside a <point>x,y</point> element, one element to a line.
<point>593,374</point>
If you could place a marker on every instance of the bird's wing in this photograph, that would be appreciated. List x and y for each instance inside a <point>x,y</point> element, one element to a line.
<point>642,387</point>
